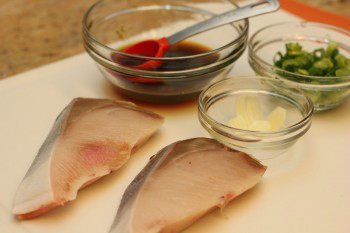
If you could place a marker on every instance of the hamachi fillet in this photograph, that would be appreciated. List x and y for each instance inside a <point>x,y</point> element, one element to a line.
<point>89,139</point>
<point>183,182</point>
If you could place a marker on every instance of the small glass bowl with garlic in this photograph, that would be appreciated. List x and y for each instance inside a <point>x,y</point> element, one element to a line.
<point>258,115</point>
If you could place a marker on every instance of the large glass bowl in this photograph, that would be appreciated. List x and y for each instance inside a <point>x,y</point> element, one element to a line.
<point>217,107</point>
<point>110,25</point>
<point>325,92</point>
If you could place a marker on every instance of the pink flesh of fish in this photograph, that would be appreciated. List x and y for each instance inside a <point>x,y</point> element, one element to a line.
<point>90,139</point>
<point>183,182</point>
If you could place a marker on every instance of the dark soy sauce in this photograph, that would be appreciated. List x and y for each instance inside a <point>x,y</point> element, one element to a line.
<point>181,49</point>
<point>165,90</point>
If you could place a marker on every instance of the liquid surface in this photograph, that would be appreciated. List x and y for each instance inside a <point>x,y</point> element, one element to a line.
<point>186,48</point>
<point>181,49</point>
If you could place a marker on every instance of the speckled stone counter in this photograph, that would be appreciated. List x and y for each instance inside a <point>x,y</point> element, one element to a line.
<point>38,32</point>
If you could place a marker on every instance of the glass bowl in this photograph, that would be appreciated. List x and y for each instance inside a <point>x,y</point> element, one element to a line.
<point>217,107</point>
<point>325,92</point>
<point>110,25</point>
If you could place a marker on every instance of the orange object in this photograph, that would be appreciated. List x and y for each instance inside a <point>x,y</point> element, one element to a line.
<point>314,14</point>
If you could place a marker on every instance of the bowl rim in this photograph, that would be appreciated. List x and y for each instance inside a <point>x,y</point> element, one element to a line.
<point>89,35</point>
<point>202,110</point>
<point>304,24</point>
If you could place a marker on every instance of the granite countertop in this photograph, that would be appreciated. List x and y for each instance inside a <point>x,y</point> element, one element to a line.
<point>38,32</point>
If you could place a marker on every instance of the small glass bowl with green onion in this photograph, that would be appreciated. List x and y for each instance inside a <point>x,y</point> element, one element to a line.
<point>314,57</point>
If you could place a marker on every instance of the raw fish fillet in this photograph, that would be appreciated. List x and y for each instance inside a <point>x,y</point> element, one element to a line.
<point>89,139</point>
<point>181,183</point>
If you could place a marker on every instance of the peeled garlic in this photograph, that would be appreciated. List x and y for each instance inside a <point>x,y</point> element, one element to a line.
<point>253,111</point>
<point>248,107</point>
<point>260,125</point>
<point>249,117</point>
<point>239,122</point>
<point>277,118</point>
<point>240,107</point>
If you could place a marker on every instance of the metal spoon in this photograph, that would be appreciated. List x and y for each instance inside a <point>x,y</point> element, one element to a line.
<point>157,48</point>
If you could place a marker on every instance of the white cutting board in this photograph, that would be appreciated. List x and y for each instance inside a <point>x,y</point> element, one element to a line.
<point>307,190</point>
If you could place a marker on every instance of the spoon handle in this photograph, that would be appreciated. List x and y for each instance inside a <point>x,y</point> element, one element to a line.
<point>261,7</point>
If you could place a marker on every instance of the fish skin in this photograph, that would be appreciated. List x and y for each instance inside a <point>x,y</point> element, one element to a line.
<point>140,212</point>
<point>80,148</point>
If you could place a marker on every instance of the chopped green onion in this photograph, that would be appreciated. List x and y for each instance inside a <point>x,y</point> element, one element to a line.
<point>324,62</point>
<point>342,72</point>
<point>320,62</point>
